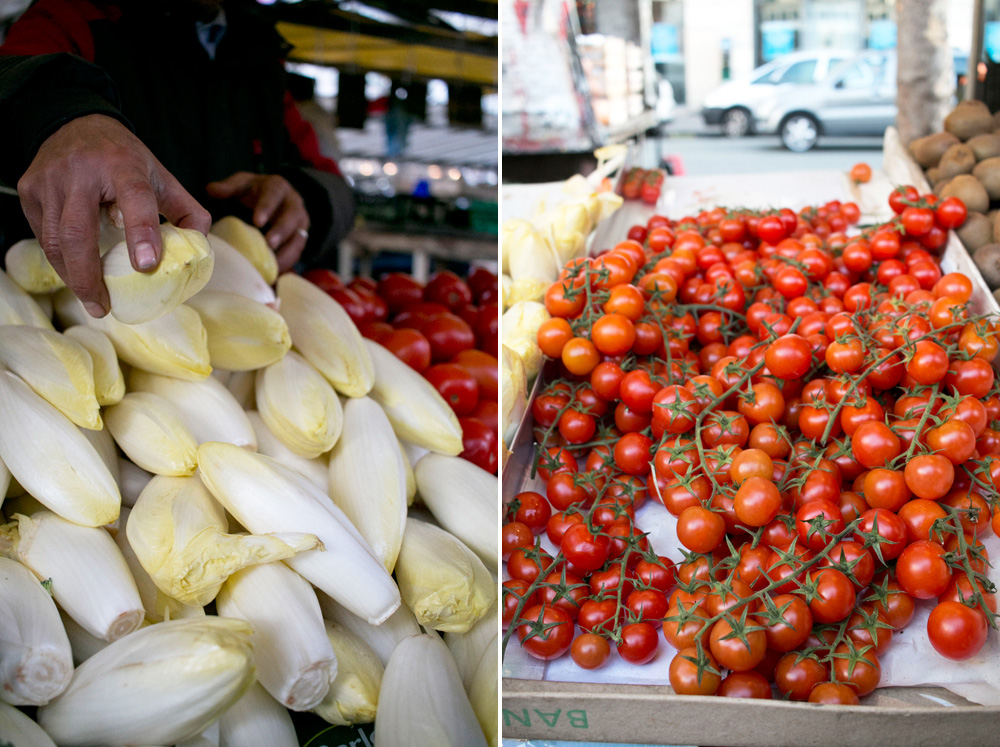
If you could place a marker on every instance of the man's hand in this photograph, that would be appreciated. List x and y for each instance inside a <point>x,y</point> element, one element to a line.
<point>92,160</point>
<point>275,205</point>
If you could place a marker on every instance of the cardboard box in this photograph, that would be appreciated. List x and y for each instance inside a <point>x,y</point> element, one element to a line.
<point>652,714</point>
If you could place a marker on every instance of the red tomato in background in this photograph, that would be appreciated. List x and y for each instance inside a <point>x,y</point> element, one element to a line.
<point>447,334</point>
<point>487,329</point>
<point>458,387</point>
<point>375,307</point>
<point>484,285</point>
<point>398,290</point>
<point>377,331</point>
<point>480,444</point>
<point>352,303</point>
<point>415,313</point>
<point>326,279</point>
<point>488,411</point>
<point>447,288</point>
<point>484,367</point>
<point>410,346</point>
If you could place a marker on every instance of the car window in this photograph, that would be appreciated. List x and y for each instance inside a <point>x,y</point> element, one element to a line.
<point>859,75</point>
<point>768,76</point>
<point>800,72</point>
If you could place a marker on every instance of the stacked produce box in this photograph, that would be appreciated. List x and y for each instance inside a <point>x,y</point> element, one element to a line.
<point>223,502</point>
<point>747,463</point>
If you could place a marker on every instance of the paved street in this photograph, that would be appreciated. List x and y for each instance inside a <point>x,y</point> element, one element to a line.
<point>705,151</point>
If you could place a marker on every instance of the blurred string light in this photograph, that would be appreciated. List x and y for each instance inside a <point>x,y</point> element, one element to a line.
<point>454,174</point>
<point>390,168</point>
<point>434,171</point>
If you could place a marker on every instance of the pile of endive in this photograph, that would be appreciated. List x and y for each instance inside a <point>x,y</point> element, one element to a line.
<point>220,502</point>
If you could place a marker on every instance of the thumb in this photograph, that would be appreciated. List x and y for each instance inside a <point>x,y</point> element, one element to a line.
<point>236,185</point>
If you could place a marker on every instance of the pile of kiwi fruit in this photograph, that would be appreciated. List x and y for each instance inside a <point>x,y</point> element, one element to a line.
<point>964,162</point>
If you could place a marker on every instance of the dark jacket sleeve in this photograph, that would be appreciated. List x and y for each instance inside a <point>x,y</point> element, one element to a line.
<point>38,95</point>
<point>329,199</point>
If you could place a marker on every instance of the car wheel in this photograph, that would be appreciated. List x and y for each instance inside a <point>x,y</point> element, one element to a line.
<point>799,133</point>
<point>736,123</point>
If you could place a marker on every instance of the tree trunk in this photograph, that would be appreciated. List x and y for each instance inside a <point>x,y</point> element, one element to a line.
<point>925,78</point>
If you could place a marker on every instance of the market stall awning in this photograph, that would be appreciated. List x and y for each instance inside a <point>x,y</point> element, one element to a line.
<point>344,49</point>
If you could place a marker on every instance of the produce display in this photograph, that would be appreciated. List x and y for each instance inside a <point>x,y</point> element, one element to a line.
<point>964,162</point>
<point>816,407</point>
<point>222,502</point>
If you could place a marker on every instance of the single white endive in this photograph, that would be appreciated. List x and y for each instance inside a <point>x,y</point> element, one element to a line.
<point>158,605</point>
<point>257,720</point>
<point>463,499</point>
<point>243,335</point>
<point>368,479</point>
<point>295,661</point>
<point>210,412</point>
<point>36,661</point>
<point>56,367</point>
<point>175,345</point>
<point>28,266</point>
<point>132,480</point>
<point>17,307</point>
<point>180,535</point>
<point>417,412</point>
<point>152,434</point>
<point>265,496</point>
<point>467,648</point>
<point>52,459</point>
<point>109,384</point>
<point>89,577</point>
<point>483,692</point>
<point>84,645</point>
<point>299,406</point>
<point>353,694</point>
<point>383,638</point>
<point>184,269</point>
<point>234,273</point>
<point>160,685</point>
<point>18,730</point>
<point>412,713</point>
<point>325,335</point>
<point>441,579</point>
<point>270,445</point>
<point>250,242</point>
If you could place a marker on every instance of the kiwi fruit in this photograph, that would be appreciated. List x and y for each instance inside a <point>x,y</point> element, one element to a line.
<point>958,159</point>
<point>988,174</point>
<point>976,231</point>
<point>985,146</point>
<point>968,119</point>
<point>996,295</point>
<point>934,175</point>
<point>996,120</point>
<point>987,259</point>
<point>927,151</point>
<point>941,184</point>
<point>969,190</point>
